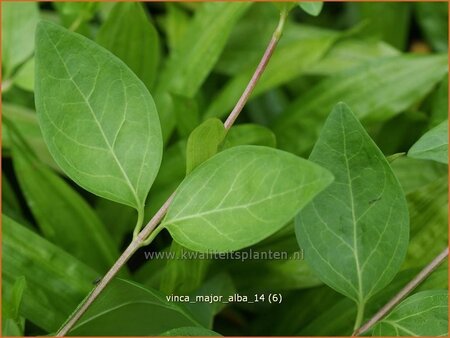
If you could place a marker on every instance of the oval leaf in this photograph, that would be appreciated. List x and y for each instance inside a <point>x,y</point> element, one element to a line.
<point>241,196</point>
<point>355,233</point>
<point>433,145</point>
<point>422,314</point>
<point>97,118</point>
<point>123,309</point>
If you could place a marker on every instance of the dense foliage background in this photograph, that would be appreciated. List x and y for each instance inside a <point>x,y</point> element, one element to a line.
<point>387,61</point>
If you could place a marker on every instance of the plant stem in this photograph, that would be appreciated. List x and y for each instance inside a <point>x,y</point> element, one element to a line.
<point>403,292</point>
<point>145,235</point>
<point>359,314</point>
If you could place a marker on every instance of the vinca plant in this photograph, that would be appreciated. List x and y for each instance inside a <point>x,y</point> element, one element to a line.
<point>224,168</point>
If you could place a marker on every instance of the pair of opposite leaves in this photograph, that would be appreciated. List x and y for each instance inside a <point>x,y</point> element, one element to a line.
<point>101,126</point>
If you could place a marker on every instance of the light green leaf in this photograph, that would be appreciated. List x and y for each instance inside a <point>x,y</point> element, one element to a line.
<point>248,133</point>
<point>111,145</point>
<point>24,78</point>
<point>355,233</point>
<point>56,281</point>
<point>195,56</point>
<point>241,196</point>
<point>377,91</point>
<point>204,143</point>
<point>12,323</point>
<point>287,63</point>
<point>422,314</point>
<point>60,211</point>
<point>190,332</point>
<point>129,34</point>
<point>19,21</point>
<point>124,309</point>
<point>433,145</point>
<point>312,8</point>
<point>176,24</point>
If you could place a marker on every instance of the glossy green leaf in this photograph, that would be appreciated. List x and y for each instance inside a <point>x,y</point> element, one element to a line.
<point>129,34</point>
<point>241,196</point>
<point>191,62</point>
<point>56,281</point>
<point>18,25</point>
<point>12,323</point>
<point>355,233</point>
<point>433,145</point>
<point>423,314</point>
<point>204,143</point>
<point>124,309</point>
<point>287,63</point>
<point>60,211</point>
<point>249,134</point>
<point>312,8</point>
<point>26,122</point>
<point>190,332</point>
<point>111,145</point>
<point>376,91</point>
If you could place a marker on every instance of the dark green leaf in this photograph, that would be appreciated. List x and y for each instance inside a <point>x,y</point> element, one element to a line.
<point>111,145</point>
<point>433,20</point>
<point>376,91</point>
<point>124,309</point>
<point>129,34</point>
<point>190,331</point>
<point>12,323</point>
<point>60,211</point>
<point>56,281</point>
<point>355,233</point>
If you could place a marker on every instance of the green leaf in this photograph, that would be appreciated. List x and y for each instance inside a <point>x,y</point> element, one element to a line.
<point>56,281</point>
<point>129,34</point>
<point>176,24</point>
<point>190,332</point>
<point>249,134</point>
<point>12,323</point>
<point>112,143</point>
<point>433,21</point>
<point>195,56</point>
<point>187,115</point>
<point>312,8</point>
<point>377,91</point>
<point>388,21</point>
<point>433,145</point>
<point>355,233</point>
<point>26,122</point>
<point>428,209</point>
<point>60,211</point>
<point>423,314</point>
<point>204,143</point>
<point>241,196</point>
<point>24,78</point>
<point>18,25</point>
<point>287,63</point>
<point>439,104</point>
<point>182,273</point>
<point>124,308</point>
